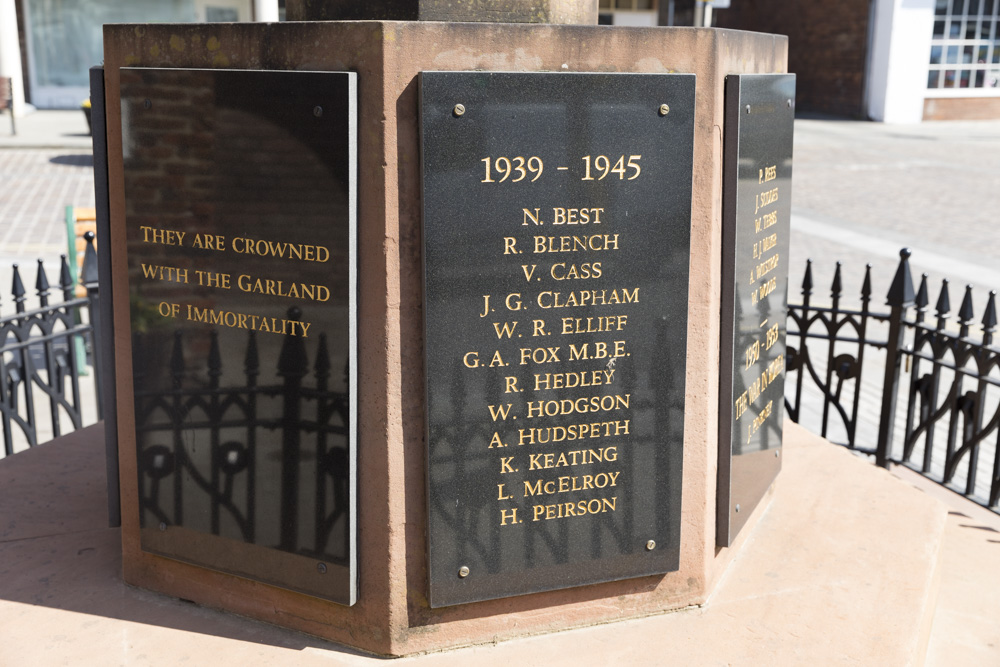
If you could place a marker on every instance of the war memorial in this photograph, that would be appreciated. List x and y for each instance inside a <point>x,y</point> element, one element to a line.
<point>435,324</point>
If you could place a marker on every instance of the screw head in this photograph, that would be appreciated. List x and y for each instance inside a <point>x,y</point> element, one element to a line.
<point>789,103</point>
<point>317,111</point>
<point>163,526</point>
<point>463,572</point>
<point>737,508</point>
<point>664,109</point>
<point>321,568</point>
<point>458,110</point>
<point>748,108</point>
<point>777,453</point>
<point>650,545</point>
<point>147,103</point>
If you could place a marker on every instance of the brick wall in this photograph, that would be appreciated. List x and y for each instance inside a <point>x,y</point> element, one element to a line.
<point>827,43</point>
<point>962,108</point>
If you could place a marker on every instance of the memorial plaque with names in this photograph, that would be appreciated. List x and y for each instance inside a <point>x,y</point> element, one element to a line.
<point>240,231</point>
<point>556,220</point>
<point>757,196</point>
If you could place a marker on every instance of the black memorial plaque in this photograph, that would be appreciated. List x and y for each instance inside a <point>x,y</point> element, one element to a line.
<point>557,212</point>
<point>756,215</point>
<point>240,227</point>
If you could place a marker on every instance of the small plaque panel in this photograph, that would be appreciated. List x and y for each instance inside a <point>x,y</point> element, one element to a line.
<point>557,212</point>
<point>757,204</point>
<point>240,230</point>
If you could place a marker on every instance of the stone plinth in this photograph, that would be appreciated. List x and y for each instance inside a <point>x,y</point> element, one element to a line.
<point>392,615</point>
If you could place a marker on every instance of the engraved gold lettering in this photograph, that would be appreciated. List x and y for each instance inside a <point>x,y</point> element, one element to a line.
<point>162,236</point>
<point>505,329</point>
<point>581,405</point>
<point>499,411</point>
<point>583,298</point>
<point>544,435</point>
<point>237,320</point>
<point>585,271</point>
<point>280,249</point>
<point>599,351</point>
<point>165,273</point>
<point>209,242</point>
<point>600,324</point>
<point>595,242</point>
<point>510,515</point>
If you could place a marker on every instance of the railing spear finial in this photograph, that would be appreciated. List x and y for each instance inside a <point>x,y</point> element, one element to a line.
<point>943,306</point>
<point>65,279</point>
<point>901,291</point>
<point>17,290</point>
<point>866,286</point>
<point>966,313</point>
<point>42,285</point>
<point>990,318</point>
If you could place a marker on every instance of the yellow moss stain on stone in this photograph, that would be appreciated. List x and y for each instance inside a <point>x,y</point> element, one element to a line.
<point>154,50</point>
<point>131,60</point>
<point>213,44</point>
<point>221,60</point>
<point>177,43</point>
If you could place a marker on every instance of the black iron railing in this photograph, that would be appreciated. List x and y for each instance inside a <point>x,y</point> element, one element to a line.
<point>42,354</point>
<point>842,361</point>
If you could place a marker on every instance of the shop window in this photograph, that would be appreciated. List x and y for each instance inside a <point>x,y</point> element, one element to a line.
<point>965,33</point>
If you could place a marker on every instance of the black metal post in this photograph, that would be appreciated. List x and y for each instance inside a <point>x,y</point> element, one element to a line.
<point>900,298</point>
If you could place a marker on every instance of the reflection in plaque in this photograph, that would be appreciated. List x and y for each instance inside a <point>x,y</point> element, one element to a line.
<point>756,217</point>
<point>557,211</point>
<point>239,195</point>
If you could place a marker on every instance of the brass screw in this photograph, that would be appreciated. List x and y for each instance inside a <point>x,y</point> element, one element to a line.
<point>463,572</point>
<point>650,545</point>
<point>459,109</point>
<point>664,109</point>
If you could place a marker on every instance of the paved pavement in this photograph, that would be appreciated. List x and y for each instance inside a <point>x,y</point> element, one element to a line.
<point>861,191</point>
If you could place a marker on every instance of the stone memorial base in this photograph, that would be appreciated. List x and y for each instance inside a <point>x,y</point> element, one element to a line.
<point>392,615</point>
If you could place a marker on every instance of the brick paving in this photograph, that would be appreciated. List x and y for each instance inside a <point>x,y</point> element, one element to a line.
<point>37,187</point>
